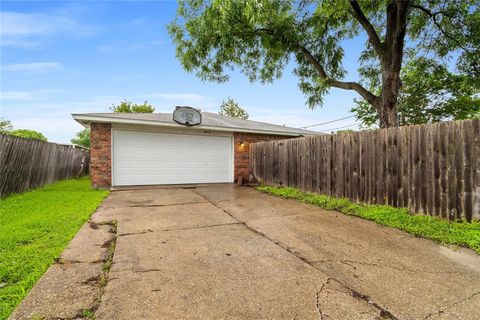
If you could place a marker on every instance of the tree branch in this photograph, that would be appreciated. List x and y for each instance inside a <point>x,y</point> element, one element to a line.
<point>433,16</point>
<point>391,24</point>
<point>367,95</point>
<point>373,37</point>
<point>313,61</point>
<point>401,28</point>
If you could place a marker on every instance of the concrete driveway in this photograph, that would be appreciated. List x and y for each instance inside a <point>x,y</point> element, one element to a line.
<point>233,252</point>
<point>228,252</point>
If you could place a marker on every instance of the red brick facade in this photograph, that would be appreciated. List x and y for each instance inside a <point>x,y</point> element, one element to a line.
<point>101,155</point>
<point>241,148</point>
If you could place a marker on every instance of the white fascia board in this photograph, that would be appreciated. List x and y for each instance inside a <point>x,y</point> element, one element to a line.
<point>83,119</point>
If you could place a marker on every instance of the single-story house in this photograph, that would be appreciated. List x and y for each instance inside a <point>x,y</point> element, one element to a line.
<point>153,148</point>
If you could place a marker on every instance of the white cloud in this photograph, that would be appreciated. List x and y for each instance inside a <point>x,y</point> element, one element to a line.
<point>20,43</point>
<point>24,24</point>
<point>175,96</point>
<point>29,30</point>
<point>50,114</point>
<point>53,118</point>
<point>49,111</point>
<point>56,127</point>
<point>34,95</point>
<point>166,101</point>
<point>33,67</point>
<point>280,118</point>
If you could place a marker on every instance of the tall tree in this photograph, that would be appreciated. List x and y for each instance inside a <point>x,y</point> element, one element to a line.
<point>130,107</point>
<point>82,138</point>
<point>261,37</point>
<point>230,108</point>
<point>5,126</point>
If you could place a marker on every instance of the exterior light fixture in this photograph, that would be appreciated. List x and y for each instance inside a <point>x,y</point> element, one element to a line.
<point>242,144</point>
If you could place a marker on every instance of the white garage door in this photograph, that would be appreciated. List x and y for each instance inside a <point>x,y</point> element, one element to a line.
<point>141,158</point>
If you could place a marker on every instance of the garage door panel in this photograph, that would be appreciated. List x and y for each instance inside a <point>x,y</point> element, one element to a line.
<point>199,165</point>
<point>157,165</point>
<point>187,165</point>
<point>142,150</point>
<point>161,158</point>
<point>124,149</point>
<point>139,162</point>
<point>212,165</point>
<point>221,166</point>
<point>124,164</point>
<point>155,151</point>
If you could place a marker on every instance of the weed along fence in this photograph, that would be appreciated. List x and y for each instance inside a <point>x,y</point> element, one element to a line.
<point>27,163</point>
<point>430,169</point>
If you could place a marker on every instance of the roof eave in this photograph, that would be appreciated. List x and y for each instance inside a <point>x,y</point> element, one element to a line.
<point>85,120</point>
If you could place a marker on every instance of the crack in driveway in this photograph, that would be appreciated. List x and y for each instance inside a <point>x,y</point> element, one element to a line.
<point>202,227</point>
<point>317,298</point>
<point>164,205</point>
<point>451,306</point>
<point>135,233</point>
<point>178,229</point>
<point>384,313</point>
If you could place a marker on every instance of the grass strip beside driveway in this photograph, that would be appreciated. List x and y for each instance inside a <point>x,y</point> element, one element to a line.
<point>457,233</point>
<point>35,227</point>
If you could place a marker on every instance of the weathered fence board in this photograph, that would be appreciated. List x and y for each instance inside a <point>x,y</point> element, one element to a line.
<point>430,169</point>
<point>27,163</point>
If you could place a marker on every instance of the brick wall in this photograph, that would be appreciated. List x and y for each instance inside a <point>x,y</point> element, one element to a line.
<point>101,155</point>
<point>241,161</point>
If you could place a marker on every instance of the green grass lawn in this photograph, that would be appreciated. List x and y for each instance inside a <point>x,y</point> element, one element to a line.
<point>35,227</point>
<point>457,233</point>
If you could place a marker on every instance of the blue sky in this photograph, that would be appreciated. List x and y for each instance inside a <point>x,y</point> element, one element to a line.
<point>61,57</point>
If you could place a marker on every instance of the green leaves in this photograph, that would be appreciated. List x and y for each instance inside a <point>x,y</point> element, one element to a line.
<point>430,93</point>
<point>448,28</point>
<point>130,107</point>
<point>82,138</point>
<point>212,38</point>
<point>230,108</point>
<point>259,37</point>
<point>25,133</point>
<point>5,126</point>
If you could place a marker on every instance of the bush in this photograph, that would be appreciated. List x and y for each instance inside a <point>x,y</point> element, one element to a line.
<point>31,134</point>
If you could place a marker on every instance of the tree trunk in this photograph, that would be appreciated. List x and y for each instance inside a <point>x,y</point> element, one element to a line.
<point>390,54</point>
<point>388,115</point>
<point>391,62</point>
<point>387,104</point>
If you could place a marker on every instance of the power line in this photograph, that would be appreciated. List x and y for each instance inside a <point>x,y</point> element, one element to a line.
<point>331,121</point>
<point>333,129</point>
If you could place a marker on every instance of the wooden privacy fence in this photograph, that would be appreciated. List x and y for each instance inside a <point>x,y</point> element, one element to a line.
<point>430,169</point>
<point>27,163</point>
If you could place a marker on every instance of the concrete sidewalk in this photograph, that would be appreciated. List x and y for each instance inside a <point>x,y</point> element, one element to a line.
<point>221,251</point>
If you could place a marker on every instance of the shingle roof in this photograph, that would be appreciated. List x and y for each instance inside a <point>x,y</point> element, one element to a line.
<point>210,121</point>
